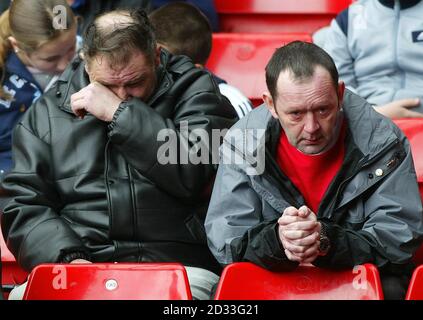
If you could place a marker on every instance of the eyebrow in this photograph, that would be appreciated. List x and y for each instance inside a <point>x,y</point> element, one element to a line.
<point>141,77</point>
<point>314,108</point>
<point>51,58</point>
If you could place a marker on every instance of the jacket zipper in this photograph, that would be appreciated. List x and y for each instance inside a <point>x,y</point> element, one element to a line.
<point>106,178</point>
<point>281,186</point>
<point>134,211</point>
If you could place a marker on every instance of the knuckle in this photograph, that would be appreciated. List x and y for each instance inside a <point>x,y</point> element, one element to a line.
<point>302,249</point>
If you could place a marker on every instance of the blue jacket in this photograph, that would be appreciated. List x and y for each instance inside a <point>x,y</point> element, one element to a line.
<point>20,84</point>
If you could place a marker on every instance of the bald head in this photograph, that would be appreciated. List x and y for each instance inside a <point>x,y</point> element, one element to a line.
<point>116,35</point>
<point>114,20</point>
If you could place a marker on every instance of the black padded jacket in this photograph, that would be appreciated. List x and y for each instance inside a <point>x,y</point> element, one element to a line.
<point>96,190</point>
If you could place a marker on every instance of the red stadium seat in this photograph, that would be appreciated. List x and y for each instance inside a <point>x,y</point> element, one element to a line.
<point>112,281</point>
<point>415,289</point>
<point>277,16</point>
<point>240,59</point>
<point>12,274</point>
<point>413,129</point>
<point>246,281</point>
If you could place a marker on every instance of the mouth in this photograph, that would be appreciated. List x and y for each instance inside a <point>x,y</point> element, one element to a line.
<point>311,142</point>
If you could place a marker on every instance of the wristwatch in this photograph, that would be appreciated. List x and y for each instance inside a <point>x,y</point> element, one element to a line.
<point>324,246</point>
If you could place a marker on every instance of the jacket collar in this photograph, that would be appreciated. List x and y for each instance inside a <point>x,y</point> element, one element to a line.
<point>372,135</point>
<point>15,66</point>
<point>404,4</point>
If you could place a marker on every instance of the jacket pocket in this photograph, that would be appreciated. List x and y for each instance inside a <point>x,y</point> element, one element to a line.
<point>196,227</point>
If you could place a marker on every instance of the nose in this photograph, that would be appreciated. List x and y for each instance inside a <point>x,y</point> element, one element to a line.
<point>311,124</point>
<point>63,63</point>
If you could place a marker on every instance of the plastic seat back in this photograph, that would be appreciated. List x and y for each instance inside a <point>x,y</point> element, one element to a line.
<point>413,129</point>
<point>109,281</point>
<point>277,16</point>
<point>246,281</point>
<point>241,58</point>
<point>415,289</point>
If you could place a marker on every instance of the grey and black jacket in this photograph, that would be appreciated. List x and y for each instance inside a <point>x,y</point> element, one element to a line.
<point>96,190</point>
<point>371,211</point>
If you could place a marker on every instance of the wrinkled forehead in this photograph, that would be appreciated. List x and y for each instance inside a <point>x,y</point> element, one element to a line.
<point>134,59</point>
<point>315,89</point>
<point>104,68</point>
<point>320,80</point>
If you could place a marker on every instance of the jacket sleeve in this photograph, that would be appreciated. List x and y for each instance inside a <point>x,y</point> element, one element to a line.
<point>165,150</point>
<point>393,227</point>
<point>235,227</point>
<point>34,231</point>
<point>336,45</point>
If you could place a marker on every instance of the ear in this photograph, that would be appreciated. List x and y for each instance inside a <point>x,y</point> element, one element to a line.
<point>161,46</point>
<point>268,100</point>
<point>14,44</point>
<point>87,70</point>
<point>341,91</point>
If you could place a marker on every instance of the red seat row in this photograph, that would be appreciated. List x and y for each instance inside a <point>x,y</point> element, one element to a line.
<point>239,281</point>
<point>241,58</point>
<point>169,281</point>
<point>270,16</point>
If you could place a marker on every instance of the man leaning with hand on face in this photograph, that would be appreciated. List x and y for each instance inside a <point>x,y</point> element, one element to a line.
<point>88,184</point>
<point>316,176</point>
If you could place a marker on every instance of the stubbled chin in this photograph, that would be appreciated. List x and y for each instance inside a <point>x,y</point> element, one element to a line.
<point>315,149</point>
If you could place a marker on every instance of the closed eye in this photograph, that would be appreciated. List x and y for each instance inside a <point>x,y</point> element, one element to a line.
<point>135,84</point>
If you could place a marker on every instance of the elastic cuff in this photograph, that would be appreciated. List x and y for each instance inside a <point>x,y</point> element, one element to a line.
<point>68,258</point>
<point>121,107</point>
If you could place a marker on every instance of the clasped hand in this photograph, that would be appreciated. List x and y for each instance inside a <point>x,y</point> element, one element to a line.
<point>299,232</point>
